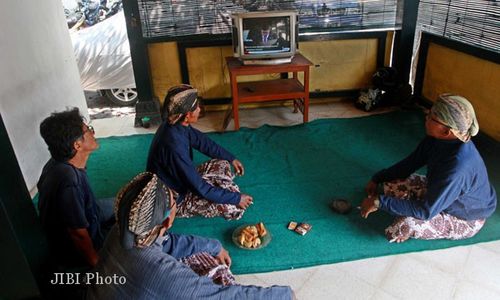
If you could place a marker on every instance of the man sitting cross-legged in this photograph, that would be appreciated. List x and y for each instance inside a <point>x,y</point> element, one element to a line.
<point>207,190</point>
<point>156,264</point>
<point>455,198</point>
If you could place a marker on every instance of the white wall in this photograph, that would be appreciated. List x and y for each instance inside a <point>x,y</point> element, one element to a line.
<point>38,75</point>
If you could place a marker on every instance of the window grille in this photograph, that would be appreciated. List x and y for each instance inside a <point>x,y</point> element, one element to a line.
<point>474,22</point>
<point>176,18</point>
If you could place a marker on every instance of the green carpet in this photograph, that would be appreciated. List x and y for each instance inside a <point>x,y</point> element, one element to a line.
<point>293,173</point>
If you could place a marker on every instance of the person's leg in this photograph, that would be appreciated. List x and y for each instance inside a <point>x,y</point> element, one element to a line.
<point>411,188</point>
<point>217,173</point>
<point>106,215</point>
<point>106,209</point>
<point>414,187</point>
<point>205,264</point>
<point>442,226</point>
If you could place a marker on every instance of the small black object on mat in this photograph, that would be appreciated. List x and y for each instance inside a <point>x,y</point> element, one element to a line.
<point>341,206</point>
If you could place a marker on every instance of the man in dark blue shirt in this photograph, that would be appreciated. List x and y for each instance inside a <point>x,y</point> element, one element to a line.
<point>208,190</point>
<point>70,215</point>
<point>455,198</point>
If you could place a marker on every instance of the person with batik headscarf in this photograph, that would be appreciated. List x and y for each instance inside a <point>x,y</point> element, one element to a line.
<point>207,190</point>
<point>455,198</point>
<point>142,260</point>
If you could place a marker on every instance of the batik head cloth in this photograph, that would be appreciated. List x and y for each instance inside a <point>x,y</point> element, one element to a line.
<point>141,207</point>
<point>179,100</point>
<point>457,113</point>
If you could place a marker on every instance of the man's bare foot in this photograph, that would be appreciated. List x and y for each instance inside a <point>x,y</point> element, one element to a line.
<point>399,239</point>
<point>398,233</point>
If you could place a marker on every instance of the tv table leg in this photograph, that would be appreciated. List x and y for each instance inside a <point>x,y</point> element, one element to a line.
<point>227,117</point>
<point>236,116</point>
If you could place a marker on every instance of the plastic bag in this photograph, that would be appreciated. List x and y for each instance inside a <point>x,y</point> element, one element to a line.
<point>369,100</point>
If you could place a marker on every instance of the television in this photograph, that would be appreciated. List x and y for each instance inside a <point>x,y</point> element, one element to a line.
<point>268,37</point>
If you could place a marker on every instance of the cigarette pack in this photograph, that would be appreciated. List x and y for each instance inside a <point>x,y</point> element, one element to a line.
<point>303,228</point>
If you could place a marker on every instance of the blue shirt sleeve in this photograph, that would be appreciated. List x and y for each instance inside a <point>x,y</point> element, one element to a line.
<point>187,173</point>
<point>153,274</point>
<point>405,167</point>
<point>176,281</point>
<point>442,190</point>
<point>205,145</point>
<point>180,245</point>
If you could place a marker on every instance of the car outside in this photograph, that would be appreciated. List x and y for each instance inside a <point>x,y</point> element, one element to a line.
<point>102,53</point>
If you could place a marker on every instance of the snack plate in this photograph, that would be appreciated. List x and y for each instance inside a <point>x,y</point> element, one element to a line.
<point>264,240</point>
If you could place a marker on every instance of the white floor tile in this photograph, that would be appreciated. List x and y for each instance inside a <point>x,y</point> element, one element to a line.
<point>329,282</point>
<point>372,271</point>
<point>280,115</point>
<point>109,126</point>
<point>491,246</point>
<point>408,278</point>
<point>212,121</point>
<point>251,279</point>
<point>381,295</point>
<point>468,291</point>
<point>296,279</point>
<point>483,267</point>
<point>451,261</point>
<point>118,126</point>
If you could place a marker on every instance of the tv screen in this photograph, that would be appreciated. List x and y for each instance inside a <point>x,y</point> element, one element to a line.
<point>264,35</point>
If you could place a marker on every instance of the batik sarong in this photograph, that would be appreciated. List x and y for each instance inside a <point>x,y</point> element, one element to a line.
<point>442,226</point>
<point>217,173</point>
<point>205,264</point>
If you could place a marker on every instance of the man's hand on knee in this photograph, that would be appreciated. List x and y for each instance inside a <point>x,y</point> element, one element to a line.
<point>223,257</point>
<point>238,167</point>
<point>245,201</point>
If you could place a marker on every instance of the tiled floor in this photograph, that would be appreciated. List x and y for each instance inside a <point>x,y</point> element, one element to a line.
<point>251,118</point>
<point>467,272</point>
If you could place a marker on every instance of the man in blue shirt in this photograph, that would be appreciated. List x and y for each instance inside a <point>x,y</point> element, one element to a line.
<point>455,198</point>
<point>146,260</point>
<point>74,221</point>
<point>208,190</point>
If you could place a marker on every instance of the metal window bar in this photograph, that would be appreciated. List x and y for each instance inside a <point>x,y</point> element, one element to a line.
<point>475,22</point>
<point>176,18</point>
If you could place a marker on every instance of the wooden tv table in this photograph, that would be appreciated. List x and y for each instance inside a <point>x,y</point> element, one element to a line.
<point>269,90</point>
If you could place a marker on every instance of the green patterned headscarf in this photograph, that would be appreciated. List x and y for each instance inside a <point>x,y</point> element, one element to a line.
<point>457,113</point>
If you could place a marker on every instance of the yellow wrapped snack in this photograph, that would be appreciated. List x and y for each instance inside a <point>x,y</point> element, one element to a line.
<point>250,235</point>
